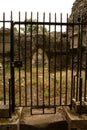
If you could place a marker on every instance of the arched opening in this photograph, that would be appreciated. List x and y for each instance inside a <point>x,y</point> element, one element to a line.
<point>39,58</point>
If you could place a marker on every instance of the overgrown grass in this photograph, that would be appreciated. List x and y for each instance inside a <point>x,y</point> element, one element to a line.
<point>47,87</point>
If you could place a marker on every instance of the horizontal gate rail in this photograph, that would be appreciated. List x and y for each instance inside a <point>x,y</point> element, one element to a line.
<point>51,23</point>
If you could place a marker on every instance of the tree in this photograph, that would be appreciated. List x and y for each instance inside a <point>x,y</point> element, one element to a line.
<point>15,29</point>
<point>34,27</point>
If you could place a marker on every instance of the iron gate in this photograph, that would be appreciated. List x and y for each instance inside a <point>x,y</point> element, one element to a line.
<point>48,64</point>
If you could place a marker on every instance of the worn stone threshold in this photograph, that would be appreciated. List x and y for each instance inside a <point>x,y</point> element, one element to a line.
<point>43,121</point>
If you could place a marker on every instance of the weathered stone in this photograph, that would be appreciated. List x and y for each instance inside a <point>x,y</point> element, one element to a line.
<point>4,109</point>
<point>81,109</point>
<point>39,58</point>
<point>79,9</point>
<point>78,14</point>
<point>30,47</point>
<point>12,123</point>
<point>75,121</point>
<point>6,40</point>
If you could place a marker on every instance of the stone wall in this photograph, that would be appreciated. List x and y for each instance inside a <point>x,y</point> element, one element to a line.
<point>27,49</point>
<point>34,46</point>
<point>79,14</point>
<point>79,8</point>
<point>5,40</point>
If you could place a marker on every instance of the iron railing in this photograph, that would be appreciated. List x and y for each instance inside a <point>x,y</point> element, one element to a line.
<point>5,82</point>
<point>46,62</point>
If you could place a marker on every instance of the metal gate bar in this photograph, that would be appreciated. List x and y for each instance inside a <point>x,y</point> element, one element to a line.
<point>55,24</point>
<point>44,86</point>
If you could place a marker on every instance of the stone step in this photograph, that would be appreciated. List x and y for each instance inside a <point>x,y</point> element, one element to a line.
<point>43,122</point>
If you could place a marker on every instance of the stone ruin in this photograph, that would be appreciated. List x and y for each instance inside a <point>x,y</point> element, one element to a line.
<point>79,13</point>
<point>79,9</point>
<point>39,50</point>
<point>29,50</point>
<point>6,41</point>
<point>34,48</point>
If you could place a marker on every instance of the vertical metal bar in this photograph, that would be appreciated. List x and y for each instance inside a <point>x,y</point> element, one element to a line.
<point>19,60</point>
<point>12,64</point>
<point>10,98</point>
<point>78,59</point>
<point>80,48</point>
<point>4,87</point>
<point>73,91</point>
<point>66,62</point>
<point>80,93</point>
<point>72,61</point>
<point>49,54</point>
<point>43,57</point>
<point>85,86</point>
<point>25,62</point>
<point>61,60</point>
<point>80,89</point>
<point>37,57</point>
<point>31,63</point>
<point>55,65</point>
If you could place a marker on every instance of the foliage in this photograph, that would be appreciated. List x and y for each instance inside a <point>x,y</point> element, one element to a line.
<point>34,27</point>
<point>15,29</point>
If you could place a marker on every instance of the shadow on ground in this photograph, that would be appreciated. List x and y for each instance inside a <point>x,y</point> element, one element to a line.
<point>62,125</point>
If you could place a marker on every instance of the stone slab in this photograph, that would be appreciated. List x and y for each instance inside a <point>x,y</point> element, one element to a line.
<point>78,121</point>
<point>12,123</point>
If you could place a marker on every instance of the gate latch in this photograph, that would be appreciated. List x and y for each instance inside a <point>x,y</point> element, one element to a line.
<point>18,64</point>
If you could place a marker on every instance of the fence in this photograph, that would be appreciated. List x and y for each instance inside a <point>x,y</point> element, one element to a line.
<point>46,62</point>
